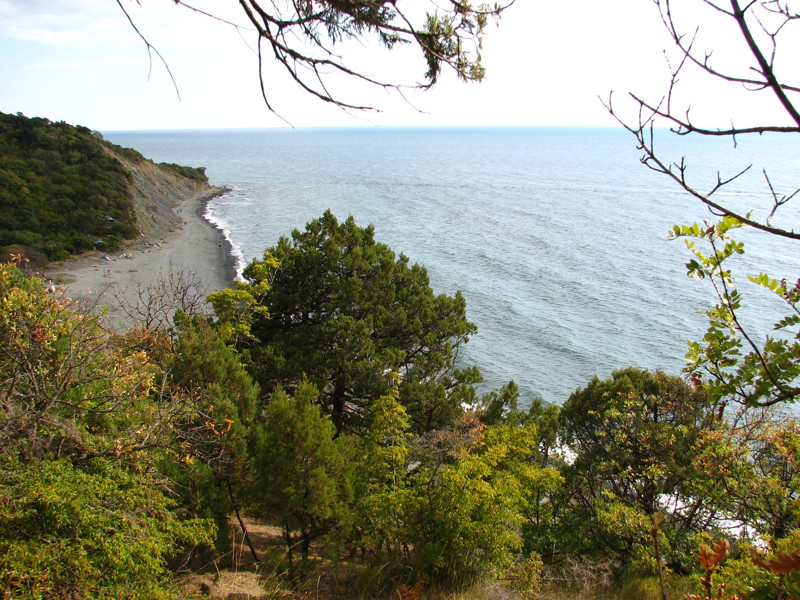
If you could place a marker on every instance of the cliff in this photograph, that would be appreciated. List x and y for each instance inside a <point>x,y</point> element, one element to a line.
<point>157,192</point>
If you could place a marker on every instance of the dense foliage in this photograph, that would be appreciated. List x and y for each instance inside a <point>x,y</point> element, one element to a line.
<point>61,191</point>
<point>120,453</point>
<point>327,399</point>
<point>335,306</point>
<point>638,439</point>
<point>84,510</point>
<point>194,173</point>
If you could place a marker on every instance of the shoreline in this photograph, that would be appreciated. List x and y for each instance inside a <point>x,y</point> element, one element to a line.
<point>195,250</point>
<point>226,256</point>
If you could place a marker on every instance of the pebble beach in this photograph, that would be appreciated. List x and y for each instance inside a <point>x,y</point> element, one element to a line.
<point>190,245</point>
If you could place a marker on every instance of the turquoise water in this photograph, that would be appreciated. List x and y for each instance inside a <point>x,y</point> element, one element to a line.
<point>556,237</point>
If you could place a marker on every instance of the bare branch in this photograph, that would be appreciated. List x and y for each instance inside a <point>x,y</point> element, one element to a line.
<point>153,305</point>
<point>150,49</point>
<point>703,62</point>
<point>644,134</point>
<point>776,201</point>
<point>766,68</point>
<point>301,35</point>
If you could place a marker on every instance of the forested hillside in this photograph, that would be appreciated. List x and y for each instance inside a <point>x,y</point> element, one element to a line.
<point>63,189</point>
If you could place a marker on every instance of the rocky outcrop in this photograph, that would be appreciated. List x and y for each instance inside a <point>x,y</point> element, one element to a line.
<point>157,195</point>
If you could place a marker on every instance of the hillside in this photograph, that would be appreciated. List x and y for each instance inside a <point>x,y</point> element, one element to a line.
<point>64,190</point>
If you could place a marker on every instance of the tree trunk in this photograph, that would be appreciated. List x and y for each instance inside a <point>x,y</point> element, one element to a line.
<point>306,544</point>
<point>241,524</point>
<point>287,537</point>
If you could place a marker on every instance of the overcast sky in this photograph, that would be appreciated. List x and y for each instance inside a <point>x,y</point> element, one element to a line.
<point>80,61</point>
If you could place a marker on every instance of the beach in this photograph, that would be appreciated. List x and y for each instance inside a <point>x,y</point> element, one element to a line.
<point>186,256</point>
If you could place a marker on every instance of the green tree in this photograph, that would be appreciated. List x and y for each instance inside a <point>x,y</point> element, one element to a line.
<point>500,405</point>
<point>96,530</point>
<point>303,471</point>
<point>758,458</point>
<point>382,492</point>
<point>334,305</point>
<point>474,485</point>
<point>540,530</point>
<point>66,389</point>
<point>771,502</point>
<point>215,444</point>
<point>740,364</point>
<point>729,361</point>
<point>636,439</point>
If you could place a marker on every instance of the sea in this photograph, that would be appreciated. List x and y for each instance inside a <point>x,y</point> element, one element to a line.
<point>557,237</point>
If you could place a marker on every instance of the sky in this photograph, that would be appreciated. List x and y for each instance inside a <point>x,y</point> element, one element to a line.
<point>548,64</point>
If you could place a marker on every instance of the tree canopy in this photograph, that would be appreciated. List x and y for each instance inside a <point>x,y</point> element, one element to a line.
<point>636,439</point>
<point>334,305</point>
<point>60,192</point>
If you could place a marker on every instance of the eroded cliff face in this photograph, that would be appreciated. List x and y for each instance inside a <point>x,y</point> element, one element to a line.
<point>157,195</point>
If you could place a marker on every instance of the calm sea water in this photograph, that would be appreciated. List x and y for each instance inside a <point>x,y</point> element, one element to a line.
<point>556,237</point>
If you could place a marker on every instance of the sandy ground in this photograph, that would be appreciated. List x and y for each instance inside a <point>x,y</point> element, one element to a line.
<point>196,248</point>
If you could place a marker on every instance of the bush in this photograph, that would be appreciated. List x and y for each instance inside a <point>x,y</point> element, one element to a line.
<point>96,531</point>
<point>194,173</point>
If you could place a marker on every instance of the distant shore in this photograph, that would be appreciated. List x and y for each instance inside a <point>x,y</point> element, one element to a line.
<point>194,247</point>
